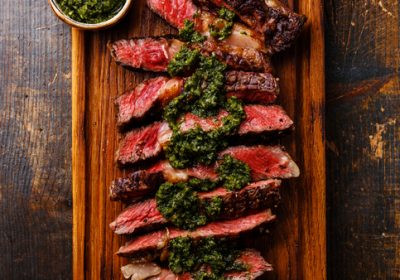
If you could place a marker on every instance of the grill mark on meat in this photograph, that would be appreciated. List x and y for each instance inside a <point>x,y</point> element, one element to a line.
<point>148,142</point>
<point>280,25</point>
<point>252,259</point>
<point>135,185</point>
<point>154,54</point>
<point>175,12</point>
<point>265,162</point>
<point>145,215</point>
<point>153,243</point>
<point>158,92</point>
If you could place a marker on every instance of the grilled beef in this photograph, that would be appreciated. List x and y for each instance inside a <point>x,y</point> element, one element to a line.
<point>256,196</point>
<point>152,93</point>
<point>264,161</point>
<point>154,242</point>
<point>154,54</point>
<point>250,258</point>
<point>147,142</point>
<point>175,12</point>
<point>276,21</point>
<point>158,92</point>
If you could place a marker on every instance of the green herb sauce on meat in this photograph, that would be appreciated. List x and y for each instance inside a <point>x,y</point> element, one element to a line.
<point>234,173</point>
<point>197,146</point>
<point>181,205</point>
<point>222,27</point>
<point>188,34</point>
<point>187,255</point>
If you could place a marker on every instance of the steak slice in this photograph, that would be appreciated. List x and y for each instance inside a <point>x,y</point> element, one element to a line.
<point>280,25</point>
<point>256,196</point>
<point>175,12</point>
<point>265,162</point>
<point>252,259</point>
<point>136,103</point>
<point>156,241</point>
<point>147,142</point>
<point>155,53</point>
<point>158,92</point>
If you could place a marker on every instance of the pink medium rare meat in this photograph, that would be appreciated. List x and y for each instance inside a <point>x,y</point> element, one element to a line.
<point>150,54</point>
<point>154,54</point>
<point>252,259</point>
<point>156,241</point>
<point>265,162</point>
<point>256,196</point>
<point>280,25</point>
<point>175,12</point>
<point>147,142</point>
<point>158,92</point>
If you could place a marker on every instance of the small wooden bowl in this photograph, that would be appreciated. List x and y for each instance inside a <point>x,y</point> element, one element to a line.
<point>90,26</point>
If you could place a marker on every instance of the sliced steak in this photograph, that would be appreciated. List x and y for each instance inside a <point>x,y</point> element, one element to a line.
<point>136,185</point>
<point>256,196</point>
<point>156,241</point>
<point>144,182</point>
<point>265,162</point>
<point>158,92</point>
<point>175,12</point>
<point>151,54</point>
<point>143,143</point>
<point>280,25</point>
<point>155,53</point>
<point>252,259</point>
<point>136,103</point>
<point>147,142</point>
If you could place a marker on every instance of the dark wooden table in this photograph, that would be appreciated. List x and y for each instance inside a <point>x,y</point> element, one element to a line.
<point>362,130</point>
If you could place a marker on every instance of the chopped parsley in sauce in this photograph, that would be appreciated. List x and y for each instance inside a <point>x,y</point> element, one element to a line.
<point>203,95</point>
<point>181,205</point>
<point>90,11</point>
<point>188,34</point>
<point>222,27</point>
<point>183,62</point>
<point>188,255</point>
<point>234,173</point>
<point>198,146</point>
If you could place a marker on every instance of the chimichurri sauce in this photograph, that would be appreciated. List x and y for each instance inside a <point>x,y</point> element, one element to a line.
<point>187,255</point>
<point>188,34</point>
<point>234,173</point>
<point>203,95</point>
<point>181,205</point>
<point>90,11</point>
<point>222,27</point>
<point>198,146</point>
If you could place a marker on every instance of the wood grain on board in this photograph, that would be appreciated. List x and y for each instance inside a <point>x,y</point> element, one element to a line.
<point>296,245</point>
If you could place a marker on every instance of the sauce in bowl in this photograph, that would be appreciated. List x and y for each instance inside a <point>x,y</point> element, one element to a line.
<point>90,11</point>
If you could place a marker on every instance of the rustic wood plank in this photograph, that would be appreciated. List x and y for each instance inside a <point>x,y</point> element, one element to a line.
<point>363,139</point>
<point>296,245</point>
<point>35,123</point>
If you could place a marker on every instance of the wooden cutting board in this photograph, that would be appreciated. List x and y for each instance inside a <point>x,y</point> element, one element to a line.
<point>296,244</point>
